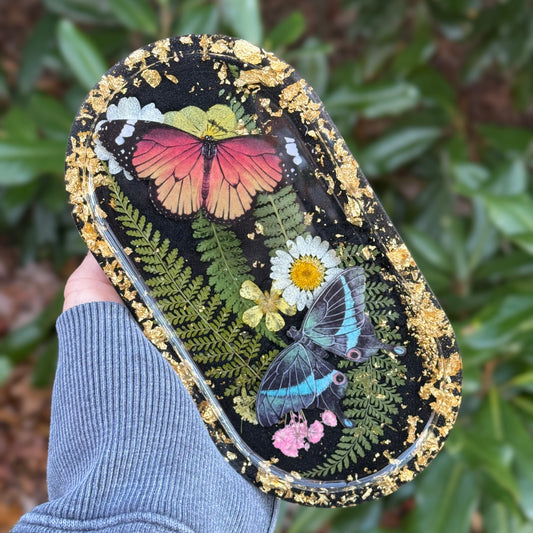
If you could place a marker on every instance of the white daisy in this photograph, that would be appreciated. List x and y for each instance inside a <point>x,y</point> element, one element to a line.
<point>130,109</point>
<point>303,271</point>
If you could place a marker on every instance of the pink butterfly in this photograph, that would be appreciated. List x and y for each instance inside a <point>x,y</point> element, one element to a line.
<point>190,173</point>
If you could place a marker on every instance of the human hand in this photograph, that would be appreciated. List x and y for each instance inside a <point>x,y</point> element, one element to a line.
<point>88,283</point>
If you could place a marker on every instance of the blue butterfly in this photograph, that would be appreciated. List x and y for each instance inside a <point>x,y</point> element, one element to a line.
<point>300,377</point>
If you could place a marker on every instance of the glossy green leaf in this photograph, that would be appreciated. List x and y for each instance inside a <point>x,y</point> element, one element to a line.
<point>5,369</point>
<point>35,157</point>
<point>289,30</point>
<point>446,496</point>
<point>512,216</point>
<point>36,49</point>
<point>375,101</point>
<point>95,11</point>
<point>498,518</point>
<point>197,18</point>
<point>244,18</point>
<point>136,15</point>
<point>311,520</point>
<point>80,54</point>
<point>498,324</point>
<point>393,150</point>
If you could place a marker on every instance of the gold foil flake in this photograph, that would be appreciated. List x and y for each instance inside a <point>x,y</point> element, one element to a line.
<point>161,50</point>
<point>406,474</point>
<point>412,422</point>
<point>452,365</point>
<point>186,39</point>
<point>156,334</point>
<point>352,210</point>
<point>90,235</point>
<point>171,77</point>
<point>295,99</point>
<point>151,77</point>
<point>270,482</point>
<point>400,257</point>
<point>347,175</point>
<point>430,447</point>
<point>183,373</point>
<point>388,485</point>
<point>142,312</point>
<point>328,179</point>
<point>204,44</point>
<point>231,456</point>
<point>368,252</point>
<point>247,52</point>
<point>254,78</point>
<point>367,493</point>
<point>308,218</point>
<point>220,46</point>
<point>207,413</point>
<point>222,73</point>
<point>137,59</point>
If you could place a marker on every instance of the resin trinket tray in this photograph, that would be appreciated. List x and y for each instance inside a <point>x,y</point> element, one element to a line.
<point>219,198</point>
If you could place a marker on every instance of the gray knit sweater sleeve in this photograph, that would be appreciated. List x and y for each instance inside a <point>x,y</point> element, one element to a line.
<point>128,449</point>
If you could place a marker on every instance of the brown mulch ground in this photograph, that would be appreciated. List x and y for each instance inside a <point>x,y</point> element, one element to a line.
<point>25,291</point>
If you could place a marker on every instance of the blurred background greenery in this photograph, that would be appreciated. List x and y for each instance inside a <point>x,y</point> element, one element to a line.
<point>434,98</point>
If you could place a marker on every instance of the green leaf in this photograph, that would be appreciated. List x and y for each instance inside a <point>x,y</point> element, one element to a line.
<point>136,15</point>
<point>244,18</point>
<point>93,12</point>
<point>52,117</point>
<point>512,215</point>
<point>5,368</point>
<point>469,178</point>
<point>288,31</point>
<point>499,518</point>
<point>80,54</point>
<point>22,161</point>
<point>311,519</point>
<point>497,325</point>
<point>35,51</point>
<point>375,100</point>
<point>397,148</point>
<point>197,18</point>
<point>446,497</point>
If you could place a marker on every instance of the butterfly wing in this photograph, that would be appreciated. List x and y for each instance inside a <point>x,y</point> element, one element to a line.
<point>335,320</point>
<point>295,380</point>
<point>242,167</point>
<point>170,158</point>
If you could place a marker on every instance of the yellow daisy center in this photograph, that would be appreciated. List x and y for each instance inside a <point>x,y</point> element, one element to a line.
<point>307,273</point>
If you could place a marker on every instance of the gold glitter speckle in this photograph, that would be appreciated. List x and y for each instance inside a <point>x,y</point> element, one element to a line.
<point>247,52</point>
<point>151,77</point>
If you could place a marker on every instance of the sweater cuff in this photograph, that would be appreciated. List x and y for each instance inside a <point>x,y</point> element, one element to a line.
<point>127,442</point>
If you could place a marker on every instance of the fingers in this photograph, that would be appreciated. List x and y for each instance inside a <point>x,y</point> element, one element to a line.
<point>88,283</point>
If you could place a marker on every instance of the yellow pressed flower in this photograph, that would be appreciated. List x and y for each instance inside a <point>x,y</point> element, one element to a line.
<point>267,305</point>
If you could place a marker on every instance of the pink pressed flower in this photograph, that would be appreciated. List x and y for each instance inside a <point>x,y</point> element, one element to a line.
<point>315,432</point>
<point>329,418</point>
<point>291,438</point>
<point>285,441</point>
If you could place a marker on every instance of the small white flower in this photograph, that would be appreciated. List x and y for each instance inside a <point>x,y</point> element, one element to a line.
<point>127,108</point>
<point>302,272</point>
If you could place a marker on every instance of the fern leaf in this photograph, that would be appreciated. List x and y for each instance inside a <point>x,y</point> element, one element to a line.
<point>279,217</point>
<point>228,268</point>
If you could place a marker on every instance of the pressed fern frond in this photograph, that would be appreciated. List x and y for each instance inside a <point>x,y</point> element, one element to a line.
<point>203,322</point>
<point>279,218</point>
<point>221,249</point>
